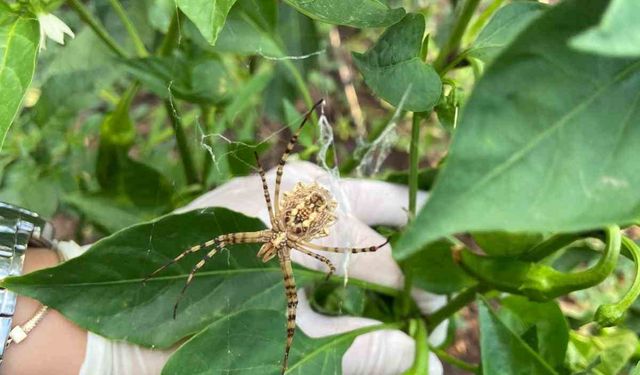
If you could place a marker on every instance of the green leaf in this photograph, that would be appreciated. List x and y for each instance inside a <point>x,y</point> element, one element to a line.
<point>25,184</point>
<point>102,290</point>
<point>550,326</point>
<point>244,35</point>
<point>504,352</point>
<point>241,157</point>
<point>355,13</point>
<point>18,52</point>
<point>145,186</point>
<point>617,34</point>
<point>198,80</point>
<point>227,340</point>
<point>107,213</point>
<point>546,142</point>
<point>426,177</point>
<point>434,269</point>
<point>504,26</point>
<point>207,15</point>
<point>393,69</point>
<point>612,347</point>
<point>506,244</point>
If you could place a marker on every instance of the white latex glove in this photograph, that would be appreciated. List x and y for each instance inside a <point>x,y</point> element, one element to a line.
<point>360,203</point>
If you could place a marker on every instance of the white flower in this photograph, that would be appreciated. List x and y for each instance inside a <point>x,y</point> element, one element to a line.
<point>53,28</point>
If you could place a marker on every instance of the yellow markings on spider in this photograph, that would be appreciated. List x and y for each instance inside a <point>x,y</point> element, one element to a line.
<point>305,213</point>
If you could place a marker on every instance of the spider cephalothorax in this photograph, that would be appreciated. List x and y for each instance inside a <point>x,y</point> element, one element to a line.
<point>306,213</point>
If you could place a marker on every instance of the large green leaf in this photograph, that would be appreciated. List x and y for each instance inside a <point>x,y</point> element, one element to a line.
<point>355,13</point>
<point>546,142</point>
<point>545,320</point>
<point>504,352</point>
<point>617,34</point>
<point>604,354</point>
<point>504,26</point>
<point>393,69</point>
<point>207,15</point>
<point>252,342</point>
<point>18,51</point>
<point>102,290</point>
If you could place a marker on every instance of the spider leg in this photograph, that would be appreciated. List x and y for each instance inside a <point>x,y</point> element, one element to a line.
<point>285,155</point>
<point>221,241</point>
<point>243,237</point>
<point>292,302</point>
<point>225,239</point>
<point>353,250</point>
<point>265,189</point>
<point>332,268</point>
<point>190,250</point>
<point>195,269</point>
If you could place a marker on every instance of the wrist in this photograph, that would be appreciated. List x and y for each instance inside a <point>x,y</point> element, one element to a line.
<point>56,345</point>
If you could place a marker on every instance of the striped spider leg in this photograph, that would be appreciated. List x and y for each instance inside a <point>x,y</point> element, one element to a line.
<point>305,213</point>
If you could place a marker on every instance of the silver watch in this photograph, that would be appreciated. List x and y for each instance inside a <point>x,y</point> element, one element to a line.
<point>19,228</point>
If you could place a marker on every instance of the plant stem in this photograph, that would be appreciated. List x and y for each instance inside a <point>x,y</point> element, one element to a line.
<point>455,361</point>
<point>206,114</point>
<point>302,86</point>
<point>418,331</point>
<point>181,141</point>
<point>458,302</point>
<point>459,27</point>
<point>131,29</point>
<point>482,19</point>
<point>414,156</point>
<point>97,27</point>
<point>171,37</point>
<point>550,246</point>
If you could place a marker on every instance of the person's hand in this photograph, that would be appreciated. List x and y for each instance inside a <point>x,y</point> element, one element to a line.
<point>360,203</point>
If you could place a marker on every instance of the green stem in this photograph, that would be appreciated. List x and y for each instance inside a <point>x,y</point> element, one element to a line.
<point>453,43</point>
<point>536,280</point>
<point>97,27</point>
<point>458,302</point>
<point>414,156</point>
<point>418,330</point>
<point>181,141</point>
<point>302,86</point>
<point>207,162</point>
<point>131,29</point>
<point>611,314</point>
<point>482,19</point>
<point>172,36</point>
<point>456,361</point>
<point>550,246</point>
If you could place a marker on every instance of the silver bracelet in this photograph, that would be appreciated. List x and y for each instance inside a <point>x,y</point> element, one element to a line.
<point>19,228</point>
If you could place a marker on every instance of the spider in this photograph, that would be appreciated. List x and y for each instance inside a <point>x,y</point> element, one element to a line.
<point>305,213</point>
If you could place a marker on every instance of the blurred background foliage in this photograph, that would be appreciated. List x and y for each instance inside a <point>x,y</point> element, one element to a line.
<point>96,145</point>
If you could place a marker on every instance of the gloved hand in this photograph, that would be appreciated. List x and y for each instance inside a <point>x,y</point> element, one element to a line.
<point>360,203</point>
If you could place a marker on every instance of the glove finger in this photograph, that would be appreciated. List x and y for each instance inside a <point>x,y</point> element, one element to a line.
<point>377,352</point>
<point>378,202</point>
<point>244,195</point>
<point>383,204</point>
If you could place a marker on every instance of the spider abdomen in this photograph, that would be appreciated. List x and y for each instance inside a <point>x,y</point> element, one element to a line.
<point>308,211</point>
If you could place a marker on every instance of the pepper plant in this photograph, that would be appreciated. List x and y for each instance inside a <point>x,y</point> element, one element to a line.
<point>521,122</point>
